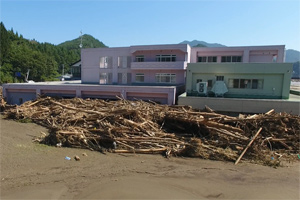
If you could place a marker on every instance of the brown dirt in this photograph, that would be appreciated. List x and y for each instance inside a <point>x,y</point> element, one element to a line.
<point>34,171</point>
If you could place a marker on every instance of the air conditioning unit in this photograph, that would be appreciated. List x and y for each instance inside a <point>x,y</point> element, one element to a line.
<point>201,87</point>
<point>219,88</point>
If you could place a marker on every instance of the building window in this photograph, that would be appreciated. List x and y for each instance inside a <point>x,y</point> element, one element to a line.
<point>202,59</point>
<point>165,78</point>
<point>139,58</point>
<point>120,61</point>
<point>274,59</point>
<point>139,78</point>
<point>124,61</point>
<point>207,59</point>
<point>199,80</point>
<point>220,78</point>
<point>128,78</point>
<point>209,83</point>
<point>236,58</point>
<point>226,59</point>
<point>212,59</point>
<point>245,83</point>
<point>231,59</point>
<point>165,58</point>
<point>119,78</point>
<point>105,78</point>
<point>105,62</point>
<point>236,83</point>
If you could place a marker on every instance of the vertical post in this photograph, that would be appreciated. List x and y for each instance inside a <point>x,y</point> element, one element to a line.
<point>246,56</point>
<point>38,92</point>
<point>251,141</point>
<point>78,93</point>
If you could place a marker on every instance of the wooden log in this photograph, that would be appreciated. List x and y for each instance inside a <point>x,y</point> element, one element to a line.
<point>78,109</point>
<point>249,144</point>
<point>254,118</point>
<point>223,126</point>
<point>69,133</point>
<point>32,104</point>
<point>158,150</point>
<point>273,140</point>
<point>228,133</point>
<point>270,112</point>
<point>208,109</point>
<point>126,145</point>
<point>151,138</point>
<point>137,141</point>
<point>201,114</point>
<point>285,145</point>
<point>278,139</point>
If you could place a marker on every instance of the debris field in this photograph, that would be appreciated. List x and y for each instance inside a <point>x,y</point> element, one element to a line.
<point>125,126</point>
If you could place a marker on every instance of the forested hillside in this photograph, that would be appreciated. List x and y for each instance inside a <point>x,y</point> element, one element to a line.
<point>88,41</point>
<point>44,60</point>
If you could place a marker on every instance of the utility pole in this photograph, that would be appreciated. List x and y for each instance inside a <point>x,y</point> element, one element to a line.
<point>80,46</point>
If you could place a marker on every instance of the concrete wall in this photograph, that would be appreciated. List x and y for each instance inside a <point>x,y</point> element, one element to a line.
<point>241,105</point>
<point>276,77</point>
<point>17,93</point>
<point>18,97</point>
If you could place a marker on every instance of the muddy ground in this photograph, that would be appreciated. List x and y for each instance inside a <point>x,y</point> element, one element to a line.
<point>35,171</point>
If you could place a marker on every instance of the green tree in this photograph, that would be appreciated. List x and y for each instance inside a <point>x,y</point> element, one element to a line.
<point>4,43</point>
<point>6,72</point>
<point>44,60</point>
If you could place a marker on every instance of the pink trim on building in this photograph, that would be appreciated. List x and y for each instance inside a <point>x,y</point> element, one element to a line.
<point>250,54</point>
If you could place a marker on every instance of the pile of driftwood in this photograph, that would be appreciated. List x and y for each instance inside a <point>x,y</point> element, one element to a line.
<point>145,127</point>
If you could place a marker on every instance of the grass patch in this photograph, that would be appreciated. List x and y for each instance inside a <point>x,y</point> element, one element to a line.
<point>25,120</point>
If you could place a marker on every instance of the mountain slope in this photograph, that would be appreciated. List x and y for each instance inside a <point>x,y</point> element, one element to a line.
<point>292,56</point>
<point>88,41</point>
<point>199,43</point>
<point>296,70</point>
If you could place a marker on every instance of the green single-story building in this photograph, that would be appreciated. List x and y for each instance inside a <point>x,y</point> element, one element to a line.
<point>240,80</point>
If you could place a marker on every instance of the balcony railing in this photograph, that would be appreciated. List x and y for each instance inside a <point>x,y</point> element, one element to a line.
<point>159,65</point>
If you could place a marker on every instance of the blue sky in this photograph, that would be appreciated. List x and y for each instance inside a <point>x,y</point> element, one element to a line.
<point>133,22</point>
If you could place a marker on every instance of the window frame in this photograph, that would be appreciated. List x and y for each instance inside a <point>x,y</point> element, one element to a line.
<point>106,78</point>
<point>239,83</point>
<point>139,58</point>
<point>165,78</point>
<point>140,75</point>
<point>201,59</point>
<point>207,59</point>
<point>231,59</point>
<point>165,58</point>
<point>219,78</point>
<point>211,59</point>
<point>105,62</point>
